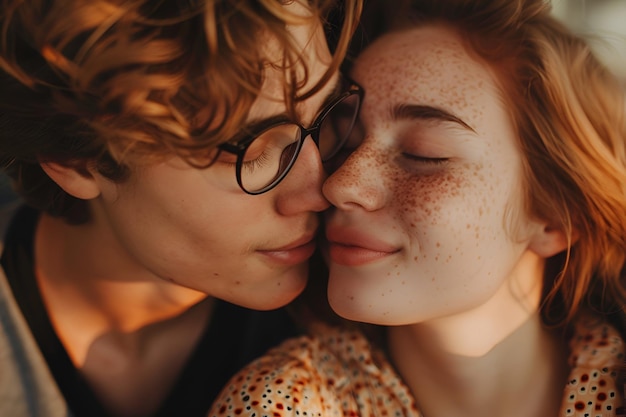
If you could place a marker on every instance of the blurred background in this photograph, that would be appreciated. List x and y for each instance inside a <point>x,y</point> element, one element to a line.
<point>6,192</point>
<point>602,22</point>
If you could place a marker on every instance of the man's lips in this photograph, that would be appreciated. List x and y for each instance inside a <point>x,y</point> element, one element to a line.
<point>293,253</point>
<point>351,247</point>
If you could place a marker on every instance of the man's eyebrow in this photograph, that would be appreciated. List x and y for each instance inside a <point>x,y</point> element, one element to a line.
<point>337,90</point>
<point>257,125</point>
<point>418,111</point>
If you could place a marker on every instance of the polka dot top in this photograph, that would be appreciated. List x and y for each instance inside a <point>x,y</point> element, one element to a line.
<point>338,373</point>
<point>596,353</point>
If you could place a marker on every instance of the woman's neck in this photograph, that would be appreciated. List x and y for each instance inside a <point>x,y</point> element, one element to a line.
<point>523,375</point>
<point>531,360</point>
<point>477,362</point>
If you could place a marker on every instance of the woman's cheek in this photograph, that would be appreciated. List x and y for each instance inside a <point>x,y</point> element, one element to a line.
<point>433,199</point>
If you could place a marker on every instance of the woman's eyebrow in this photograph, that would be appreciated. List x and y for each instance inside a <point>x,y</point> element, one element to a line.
<point>424,112</point>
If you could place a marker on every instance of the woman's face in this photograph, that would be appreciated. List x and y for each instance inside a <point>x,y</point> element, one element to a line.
<point>424,206</point>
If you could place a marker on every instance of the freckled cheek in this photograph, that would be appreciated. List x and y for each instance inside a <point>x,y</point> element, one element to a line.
<point>466,203</point>
<point>431,199</point>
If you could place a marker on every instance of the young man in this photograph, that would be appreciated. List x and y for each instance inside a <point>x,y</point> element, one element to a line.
<point>152,142</point>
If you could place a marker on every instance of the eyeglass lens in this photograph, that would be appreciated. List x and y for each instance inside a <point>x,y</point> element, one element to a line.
<point>269,155</point>
<point>336,127</point>
<point>274,151</point>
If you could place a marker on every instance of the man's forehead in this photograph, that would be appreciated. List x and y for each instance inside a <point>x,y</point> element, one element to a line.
<point>271,102</point>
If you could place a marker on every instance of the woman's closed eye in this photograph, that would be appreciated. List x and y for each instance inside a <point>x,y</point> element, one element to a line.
<point>425,159</point>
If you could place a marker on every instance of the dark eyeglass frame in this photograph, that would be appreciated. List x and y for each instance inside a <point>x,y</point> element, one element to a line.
<point>240,147</point>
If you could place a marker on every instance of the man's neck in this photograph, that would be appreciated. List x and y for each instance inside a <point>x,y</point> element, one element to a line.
<point>91,287</point>
<point>129,332</point>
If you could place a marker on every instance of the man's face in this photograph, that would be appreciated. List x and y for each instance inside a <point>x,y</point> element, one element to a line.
<point>197,228</point>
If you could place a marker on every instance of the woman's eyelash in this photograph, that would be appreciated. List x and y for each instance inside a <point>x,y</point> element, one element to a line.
<point>424,159</point>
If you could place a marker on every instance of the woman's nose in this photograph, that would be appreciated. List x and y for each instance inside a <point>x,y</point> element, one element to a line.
<point>358,182</point>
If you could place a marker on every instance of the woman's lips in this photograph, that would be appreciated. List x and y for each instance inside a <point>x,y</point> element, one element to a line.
<point>353,248</point>
<point>354,255</point>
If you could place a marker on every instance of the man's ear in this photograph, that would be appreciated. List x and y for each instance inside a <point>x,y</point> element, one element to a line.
<point>549,241</point>
<point>74,181</point>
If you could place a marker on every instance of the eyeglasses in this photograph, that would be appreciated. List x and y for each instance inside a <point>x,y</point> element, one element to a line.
<point>265,156</point>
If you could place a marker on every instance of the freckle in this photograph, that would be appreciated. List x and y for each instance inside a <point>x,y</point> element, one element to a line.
<point>238,282</point>
<point>415,258</point>
<point>438,244</point>
<point>215,274</point>
<point>351,298</point>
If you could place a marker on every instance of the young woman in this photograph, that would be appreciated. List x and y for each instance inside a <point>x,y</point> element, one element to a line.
<point>151,141</point>
<point>479,216</point>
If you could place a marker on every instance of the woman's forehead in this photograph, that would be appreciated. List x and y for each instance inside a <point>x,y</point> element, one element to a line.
<point>429,47</point>
<point>429,66</point>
